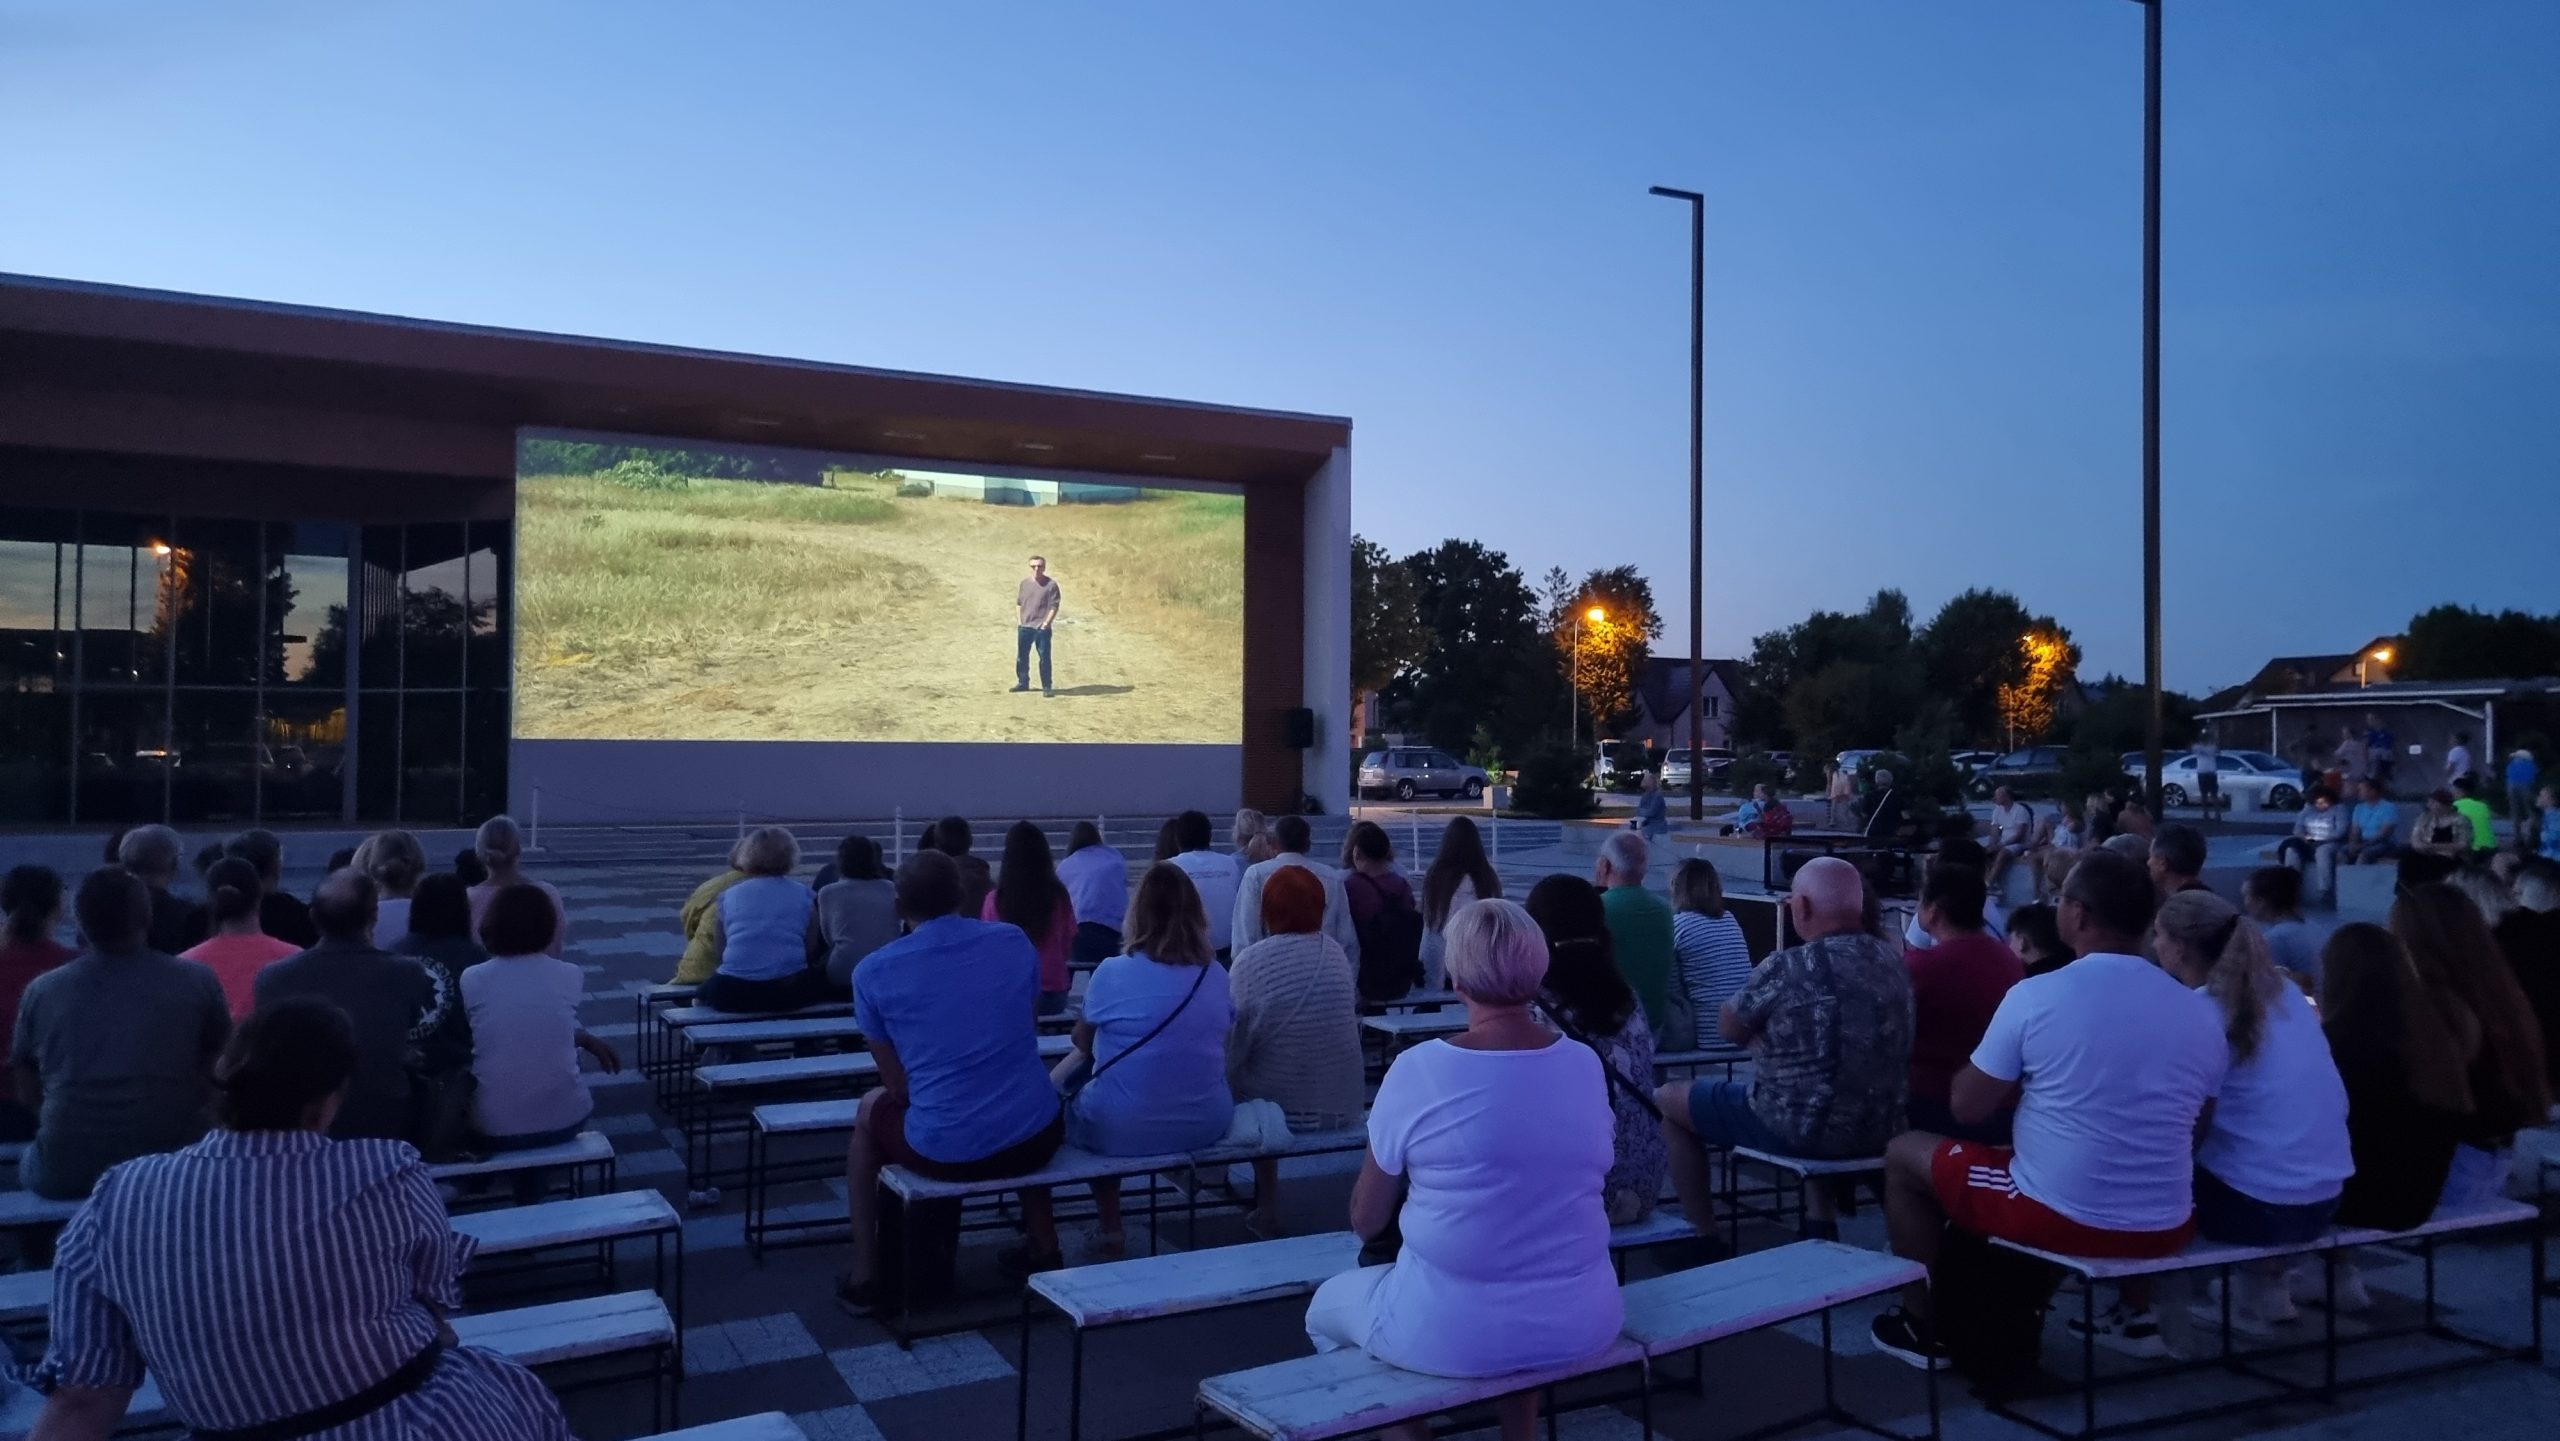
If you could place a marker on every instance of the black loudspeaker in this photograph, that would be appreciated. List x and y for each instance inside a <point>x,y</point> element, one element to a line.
<point>1302,729</point>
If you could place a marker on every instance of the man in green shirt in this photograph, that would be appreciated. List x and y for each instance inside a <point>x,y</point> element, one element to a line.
<point>1639,924</point>
<point>2468,805</point>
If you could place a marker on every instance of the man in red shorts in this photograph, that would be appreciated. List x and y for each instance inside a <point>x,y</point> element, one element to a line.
<point>2113,1066</point>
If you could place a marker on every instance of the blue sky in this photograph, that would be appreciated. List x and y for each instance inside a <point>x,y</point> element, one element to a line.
<point>1923,261</point>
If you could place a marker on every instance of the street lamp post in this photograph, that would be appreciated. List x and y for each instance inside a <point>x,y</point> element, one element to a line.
<point>1573,721</point>
<point>1697,465</point>
<point>2154,716</point>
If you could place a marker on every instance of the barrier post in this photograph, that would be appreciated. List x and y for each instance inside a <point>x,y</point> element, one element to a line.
<point>898,836</point>
<point>533,831</point>
<point>742,822</point>
<point>1493,824</point>
<point>1414,819</point>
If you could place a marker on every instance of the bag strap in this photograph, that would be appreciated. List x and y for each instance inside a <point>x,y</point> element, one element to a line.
<point>1159,1027</point>
<point>1616,1082</point>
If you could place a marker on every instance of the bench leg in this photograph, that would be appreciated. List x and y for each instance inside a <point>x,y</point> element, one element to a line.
<point>1075,1386</point>
<point>2088,1357</point>
<point>1022,1375</point>
<point>1830,1394</point>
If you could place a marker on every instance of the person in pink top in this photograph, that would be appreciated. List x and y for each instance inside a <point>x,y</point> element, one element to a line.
<point>237,950</point>
<point>499,844</point>
<point>1029,895</point>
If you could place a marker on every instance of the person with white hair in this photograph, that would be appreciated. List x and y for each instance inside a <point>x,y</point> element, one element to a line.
<point>152,852</point>
<point>1829,1022</point>
<point>1639,924</point>
<point>1488,1151</point>
<point>499,843</point>
<point>765,931</point>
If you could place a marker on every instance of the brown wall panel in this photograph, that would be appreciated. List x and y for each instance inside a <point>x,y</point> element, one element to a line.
<point>1275,575</point>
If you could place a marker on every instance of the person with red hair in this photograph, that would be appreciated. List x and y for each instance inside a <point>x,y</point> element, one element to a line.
<point>1296,1041</point>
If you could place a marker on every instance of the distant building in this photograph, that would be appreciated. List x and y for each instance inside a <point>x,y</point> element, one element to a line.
<point>2302,707</point>
<point>1662,705</point>
<point>1014,490</point>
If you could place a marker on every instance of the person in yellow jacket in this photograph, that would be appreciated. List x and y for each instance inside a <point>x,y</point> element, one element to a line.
<point>701,956</point>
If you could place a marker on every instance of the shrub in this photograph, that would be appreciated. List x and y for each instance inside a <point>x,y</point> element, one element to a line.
<point>1555,784</point>
<point>1752,767</point>
<point>2089,771</point>
<point>639,472</point>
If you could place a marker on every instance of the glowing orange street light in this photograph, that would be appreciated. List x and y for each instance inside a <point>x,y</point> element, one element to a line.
<point>1573,721</point>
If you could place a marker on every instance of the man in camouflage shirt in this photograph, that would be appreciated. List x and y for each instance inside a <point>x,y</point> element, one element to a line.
<point>1829,1022</point>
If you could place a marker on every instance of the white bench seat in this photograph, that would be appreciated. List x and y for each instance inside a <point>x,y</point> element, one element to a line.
<point>2199,1255</point>
<point>775,1032</point>
<point>1685,1309</point>
<point>25,1296</point>
<point>616,1215</point>
<point>763,1426</point>
<point>1703,1056</point>
<point>1145,1288</point>
<point>1805,1167</point>
<point>587,1148</point>
<point>679,1018</point>
<point>1071,1166</point>
<point>1414,1025</point>
<point>21,1210</point>
<point>806,1118</point>
<point>572,1330</point>
<point>1343,1393</point>
<point>809,1070</point>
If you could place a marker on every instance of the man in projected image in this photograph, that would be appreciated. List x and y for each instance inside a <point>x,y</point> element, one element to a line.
<point>1036,609</point>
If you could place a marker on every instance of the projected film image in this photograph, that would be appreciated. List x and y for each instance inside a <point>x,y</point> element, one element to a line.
<point>710,592</point>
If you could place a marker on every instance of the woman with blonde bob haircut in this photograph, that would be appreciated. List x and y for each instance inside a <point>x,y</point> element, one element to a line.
<point>764,929</point>
<point>1488,1151</point>
<point>2275,1155</point>
<point>1154,1037</point>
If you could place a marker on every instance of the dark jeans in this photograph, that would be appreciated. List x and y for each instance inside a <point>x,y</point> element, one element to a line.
<point>530,1141</point>
<point>1095,943</point>
<point>725,992</point>
<point>2236,1218</point>
<point>1026,639</point>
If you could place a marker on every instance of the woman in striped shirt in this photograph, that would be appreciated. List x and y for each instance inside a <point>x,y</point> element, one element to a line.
<point>1710,959</point>
<point>274,1282</point>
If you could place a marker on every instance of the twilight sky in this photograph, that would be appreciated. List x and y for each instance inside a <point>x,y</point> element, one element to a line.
<point>1923,253</point>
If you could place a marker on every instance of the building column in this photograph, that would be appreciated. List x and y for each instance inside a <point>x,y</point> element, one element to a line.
<point>1325,683</point>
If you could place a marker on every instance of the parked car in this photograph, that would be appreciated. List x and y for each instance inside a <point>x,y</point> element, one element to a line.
<point>1676,763</point>
<point>1852,761</point>
<point>1407,771</point>
<point>1604,764</point>
<point>2250,780</point>
<point>1972,762</point>
<point>2032,770</point>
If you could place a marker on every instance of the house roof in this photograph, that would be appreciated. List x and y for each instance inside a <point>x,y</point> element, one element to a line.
<point>2385,693</point>
<point>1662,687</point>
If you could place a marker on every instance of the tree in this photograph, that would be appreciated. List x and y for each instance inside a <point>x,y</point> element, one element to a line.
<point>2002,668</point>
<point>2453,642</point>
<point>1869,679</point>
<point>1487,662</point>
<point>2047,665</point>
<point>1387,633</point>
<point>2118,711</point>
<point>1612,648</point>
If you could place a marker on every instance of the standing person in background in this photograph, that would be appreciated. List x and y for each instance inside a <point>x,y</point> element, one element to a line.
<point>1029,897</point>
<point>1383,914</point>
<point>1653,819</point>
<point>499,847</point>
<point>2353,762</point>
<point>1035,604</point>
<point>1639,923</point>
<point>2457,760</point>
<point>395,1002</point>
<point>152,852</point>
<point>1097,882</point>
<point>281,914</point>
<point>2381,748</point>
<point>766,931</point>
<point>857,912</point>
<point>1838,792</point>
<point>2208,754</point>
<point>1214,876</point>
<point>31,899</point>
<point>1711,960</point>
<point>237,950</point>
<point>396,861</point>
<point>1296,1040</point>
<point>2521,771</point>
<point>113,1050</point>
<point>1459,875</point>
<point>2546,823</point>
<point>1291,836</point>
<point>1585,997</point>
<point>1251,838</point>
<point>1885,819</point>
<point>950,835</point>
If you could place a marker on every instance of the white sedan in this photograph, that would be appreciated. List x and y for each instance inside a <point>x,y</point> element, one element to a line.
<point>2250,780</point>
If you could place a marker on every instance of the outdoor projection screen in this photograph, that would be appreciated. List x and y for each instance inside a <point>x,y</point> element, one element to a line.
<point>667,591</point>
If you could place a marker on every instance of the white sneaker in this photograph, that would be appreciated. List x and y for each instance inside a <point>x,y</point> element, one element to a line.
<point>2270,1298</point>
<point>2127,1333</point>
<point>2247,1319</point>
<point>2304,1285</point>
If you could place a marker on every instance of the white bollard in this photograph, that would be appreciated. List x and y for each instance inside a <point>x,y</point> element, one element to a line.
<point>742,822</point>
<point>533,831</point>
<point>1493,828</point>
<point>1416,852</point>
<point>897,836</point>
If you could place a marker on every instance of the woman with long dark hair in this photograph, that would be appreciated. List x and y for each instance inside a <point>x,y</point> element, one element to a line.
<point>1029,896</point>
<point>2457,961</point>
<point>857,911</point>
<point>1589,1000</point>
<point>1459,875</point>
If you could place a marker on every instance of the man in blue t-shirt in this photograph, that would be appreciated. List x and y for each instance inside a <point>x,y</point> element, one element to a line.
<point>2522,769</point>
<point>2373,826</point>
<point>948,1011</point>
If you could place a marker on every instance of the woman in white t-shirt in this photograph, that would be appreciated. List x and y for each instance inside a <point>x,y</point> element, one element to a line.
<point>525,1036</point>
<point>2275,1155</point>
<point>1488,1152</point>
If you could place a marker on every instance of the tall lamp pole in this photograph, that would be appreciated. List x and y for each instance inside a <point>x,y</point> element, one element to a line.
<point>1573,721</point>
<point>2154,721</point>
<point>1697,513</point>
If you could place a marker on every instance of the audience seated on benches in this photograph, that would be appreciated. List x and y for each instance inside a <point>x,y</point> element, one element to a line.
<point>2530,937</point>
<point>1097,880</point>
<point>524,1034</point>
<point>1487,1152</point>
<point>949,1013</point>
<point>700,957</point>
<point>1150,1058</point>
<point>2373,826</point>
<point>1639,928</point>
<point>498,848</point>
<point>1585,996</point>
<point>765,931</point>
<point>395,1002</point>
<point>2457,961</point>
<point>113,1049</point>
<point>1029,897</point>
<point>267,1272</point>
<point>31,900</point>
<point>1710,958</point>
<point>2109,1062</point>
<point>857,911</point>
<point>1829,1022</point>
<point>1296,1041</point>
<point>1957,983</point>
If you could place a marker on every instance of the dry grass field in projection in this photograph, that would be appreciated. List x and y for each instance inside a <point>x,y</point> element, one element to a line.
<point>750,610</point>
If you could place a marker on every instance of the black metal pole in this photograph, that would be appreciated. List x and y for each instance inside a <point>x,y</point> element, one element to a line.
<point>1697,494</point>
<point>2153,714</point>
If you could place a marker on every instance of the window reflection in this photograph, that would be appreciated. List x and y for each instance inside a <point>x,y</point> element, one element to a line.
<point>434,615</point>
<point>124,755</point>
<point>304,736</point>
<point>307,606</point>
<point>214,577</point>
<point>36,600</point>
<point>215,757</point>
<point>128,574</point>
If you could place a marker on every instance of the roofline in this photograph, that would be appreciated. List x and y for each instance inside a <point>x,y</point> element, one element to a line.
<point>13,285</point>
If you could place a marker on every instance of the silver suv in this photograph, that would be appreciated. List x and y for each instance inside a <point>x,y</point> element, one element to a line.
<point>1407,771</point>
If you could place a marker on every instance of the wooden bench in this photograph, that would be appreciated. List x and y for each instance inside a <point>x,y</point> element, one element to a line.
<point>23,1211</point>
<point>2206,1255</point>
<point>795,1030</point>
<point>1685,1310</point>
<point>1190,1283</point>
<point>1343,1393</point>
<point>763,1426</point>
<point>1801,1170</point>
<point>602,1222</point>
<point>586,1151</point>
<point>663,1056</point>
<point>25,1296</point>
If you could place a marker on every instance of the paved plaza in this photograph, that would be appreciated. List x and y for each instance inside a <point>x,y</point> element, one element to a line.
<point>767,1336</point>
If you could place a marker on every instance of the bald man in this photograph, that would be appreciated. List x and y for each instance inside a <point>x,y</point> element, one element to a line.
<point>1829,1025</point>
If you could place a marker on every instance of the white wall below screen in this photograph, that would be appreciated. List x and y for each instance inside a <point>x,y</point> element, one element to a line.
<point>640,782</point>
